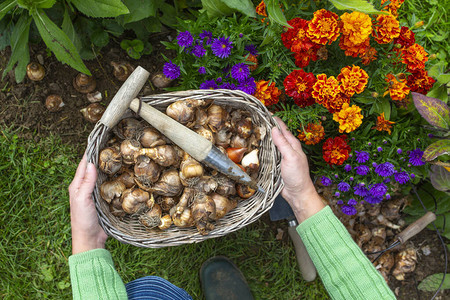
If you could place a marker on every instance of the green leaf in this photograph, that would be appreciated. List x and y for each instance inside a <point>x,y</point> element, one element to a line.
<point>383,106</point>
<point>439,92</point>
<point>432,282</point>
<point>58,42</point>
<point>67,27</point>
<point>6,6</point>
<point>443,78</point>
<point>100,38</point>
<point>216,8</point>
<point>436,149</point>
<point>244,6</point>
<point>440,178</point>
<point>19,48</point>
<point>433,110</point>
<point>356,5</point>
<point>276,14</point>
<point>139,9</point>
<point>101,8</point>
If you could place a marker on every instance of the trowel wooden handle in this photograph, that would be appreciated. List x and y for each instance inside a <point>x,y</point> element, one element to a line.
<point>194,144</point>
<point>121,101</point>
<point>304,261</point>
<point>416,227</point>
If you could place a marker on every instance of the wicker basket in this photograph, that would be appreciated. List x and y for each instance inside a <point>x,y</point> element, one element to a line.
<point>130,231</point>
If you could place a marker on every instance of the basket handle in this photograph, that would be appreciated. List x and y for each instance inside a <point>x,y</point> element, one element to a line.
<point>121,101</point>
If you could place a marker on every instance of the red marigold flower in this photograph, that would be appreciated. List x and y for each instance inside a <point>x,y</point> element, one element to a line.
<point>325,89</point>
<point>414,57</point>
<point>335,150</point>
<point>351,49</point>
<point>353,80</point>
<point>298,85</point>
<point>420,82</point>
<point>386,29</point>
<point>288,36</point>
<point>356,26</point>
<point>324,27</point>
<point>261,9</point>
<point>252,58</point>
<point>302,58</point>
<point>336,104</point>
<point>383,124</point>
<point>397,87</point>
<point>312,134</point>
<point>267,93</point>
<point>406,38</point>
<point>369,56</point>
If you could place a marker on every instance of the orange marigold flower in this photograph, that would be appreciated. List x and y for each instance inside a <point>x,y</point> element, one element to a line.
<point>335,150</point>
<point>267,93</point>
<point>254,60</point>
<point>420,82</point>
<point>324,27</point>
<point>312,134</point>
<point>405,39</point>
<point>351,49</point>
<point>261,9</point>
<point>386,29</point>
<point>383,124</point>
<point>353,80</point>
<point>325,89</point>
<point>393,6</point>
<point>397,87</point>
<point>335,105</point>
<point>369,56</point>
<point>415,57</point>
<point>349,118</point>
<point>356,27</point>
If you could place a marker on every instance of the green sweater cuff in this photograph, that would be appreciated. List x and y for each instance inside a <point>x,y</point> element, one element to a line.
<point>344,269</point>
<point>93,276</point>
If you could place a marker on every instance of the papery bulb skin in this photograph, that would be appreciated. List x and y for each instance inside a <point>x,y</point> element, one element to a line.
<point>54,103</point>
<point>236,154</point>
<point>110,190</point>
<point>128,128</point>
<point>150,137</point>
<point>244,191</point>
<point>127,178</point>
<point>167,203</point>
<point>129,149</point>
<point>146,171</point>
<point>169,184</point>
<point>164,155</point>
<point>134,200</point>
<point>122,70</point>
<point>183,111</point>
<point>93,112</point>
<point>223,205</point>
<point>166,222</point>
<point>151,218</point>
<point>190,170</point>
<point>203,212</point>
<point>84,83</point>
<point>35,71</point>
<point>244,128</point>
<point>217,117</point>
<point>160,81</point>
<point>238,142</point>
<point>206,133</point>
<point>184,219</point>
<point>110,161</point>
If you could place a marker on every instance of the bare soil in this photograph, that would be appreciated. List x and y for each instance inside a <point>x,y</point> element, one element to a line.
<point>22,106</point>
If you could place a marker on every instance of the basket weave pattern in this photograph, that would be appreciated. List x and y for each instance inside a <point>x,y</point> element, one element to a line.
<point>129,230</point>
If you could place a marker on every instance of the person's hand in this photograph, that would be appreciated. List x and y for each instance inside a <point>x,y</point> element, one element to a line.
<point>299,190</point>
<point>86,231</point>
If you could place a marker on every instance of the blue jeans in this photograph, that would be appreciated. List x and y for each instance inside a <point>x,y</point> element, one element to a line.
<point>155,288</point>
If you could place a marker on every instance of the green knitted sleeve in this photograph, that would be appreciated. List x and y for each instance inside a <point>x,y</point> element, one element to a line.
<point>93,276</point>
<point>344,269</point>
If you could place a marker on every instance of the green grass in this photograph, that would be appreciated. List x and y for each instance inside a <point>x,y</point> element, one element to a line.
<point>35,236</point>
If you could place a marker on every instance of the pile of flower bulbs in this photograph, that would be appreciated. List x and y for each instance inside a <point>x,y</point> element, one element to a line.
<point>155,181</point>
<point>374,228</point>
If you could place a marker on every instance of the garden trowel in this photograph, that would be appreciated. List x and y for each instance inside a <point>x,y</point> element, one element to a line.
<point>281,210</point>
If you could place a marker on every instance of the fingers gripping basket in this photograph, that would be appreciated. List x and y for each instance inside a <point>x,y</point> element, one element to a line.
<point>129,230</point>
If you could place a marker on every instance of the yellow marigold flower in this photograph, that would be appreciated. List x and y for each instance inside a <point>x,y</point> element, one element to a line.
<point>383,124</point>
<point>267,93</point>
<point>349,118</point>
<point>393,6</point>
<point>386,29</point>
<point>325,89</point>
<point>336,104</point>
<point>397,89</point>
<point>324,27</point>
<point>356,26</point>
<point>312,134</point>
<point>415,57</point>
<point>351,49</point>
<point>353,80</point>
<point>261,9</point>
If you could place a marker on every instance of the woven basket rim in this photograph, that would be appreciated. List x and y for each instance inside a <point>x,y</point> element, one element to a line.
<point>260,203</point>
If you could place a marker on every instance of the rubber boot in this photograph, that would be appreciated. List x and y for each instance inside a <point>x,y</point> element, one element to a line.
<point>222,280</point>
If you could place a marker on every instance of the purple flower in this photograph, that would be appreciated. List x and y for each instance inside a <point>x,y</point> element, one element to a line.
<point>401,177</point>
<point>221,47</point>
<point>340,202</point>
<point>351,178</point>
<point>337,194</point>
<point>343,186</point>
<point>378,189</point>
<point>352,202</point>
<point>248,86</point>
<point>241,35</point>
<point>399,151</point>
<point>206,35</point>
<point>362,170</point>
<point>360,190</point>
<point>369,144</point>
<point>202,70</point>
<point>336,176</point>
<point>185,39</point>
<point>219,79</point>
<point>387,180</point>
<point>348,210</point>
<point>412,175</point>
<point>374,164</point>
<point>252,49</point>
<point>388,196</point>
<point>208,84</point>
<point>373,199</point>
<point>430,135</point>
<point>379,149</point>
<point>415,157</point>
<point>240,71</point>
<point>385,169</point>
<point>198,50</point>
<point>384,142</point>
<point>326,181</point>
<point>171,70</point>
<point>362,156</point>
<point>347,168</point>
<point>227,86</point>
